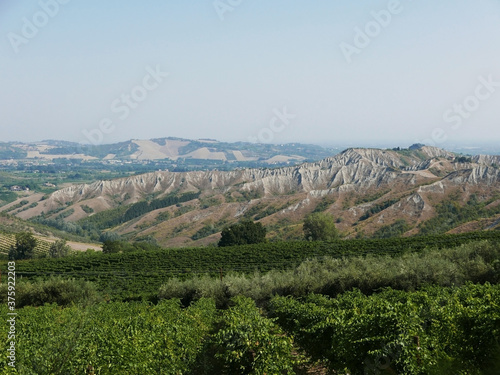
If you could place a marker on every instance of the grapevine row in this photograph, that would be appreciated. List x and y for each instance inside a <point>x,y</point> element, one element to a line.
<point>431,331</point>
<point>8,240</point>
<point>139,273</point>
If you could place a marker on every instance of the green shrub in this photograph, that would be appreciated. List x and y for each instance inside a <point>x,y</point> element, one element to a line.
<point>24,247</point>
<point>477,262</point>
<point>396,229</point>
<point>433,331</point>
<point>59,249</point>
<point>193,289</point>
<point>320,226</point>
<point>248,343</point>
<point>55,290</point>
<point>87,209</point>
<point>110,338</point>
<point>245,232</point>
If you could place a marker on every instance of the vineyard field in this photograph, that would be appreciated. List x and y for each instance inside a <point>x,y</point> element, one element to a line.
<point>139,338</point>
<point>432,331</point>
<point>8,240</point>
<point>136,274</point>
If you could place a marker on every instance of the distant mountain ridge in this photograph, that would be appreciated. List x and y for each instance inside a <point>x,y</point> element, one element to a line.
<point>165,148</point>
<point>369,192</point>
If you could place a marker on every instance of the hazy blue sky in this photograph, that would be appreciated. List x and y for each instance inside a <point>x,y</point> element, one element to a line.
<point>422,69</point>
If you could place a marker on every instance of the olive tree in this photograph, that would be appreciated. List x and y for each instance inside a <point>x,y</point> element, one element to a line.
<point>320,226</point>
<point>245,232</point>
<point>24,247</point>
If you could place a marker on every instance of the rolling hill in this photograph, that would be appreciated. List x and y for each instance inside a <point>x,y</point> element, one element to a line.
<point>370,192</point>
<point>170,148</point>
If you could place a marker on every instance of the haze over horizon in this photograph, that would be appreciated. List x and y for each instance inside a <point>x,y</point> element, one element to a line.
<point>379,72</point>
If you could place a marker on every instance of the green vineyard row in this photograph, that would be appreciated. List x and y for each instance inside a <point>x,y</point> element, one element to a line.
<point>114,338</point>
<point>433,331</point>
<point>138,338</point>
<point>130,275</point>
<point>8,240</point>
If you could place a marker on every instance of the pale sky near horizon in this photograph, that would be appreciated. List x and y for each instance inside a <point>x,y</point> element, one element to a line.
<point>324,72</point>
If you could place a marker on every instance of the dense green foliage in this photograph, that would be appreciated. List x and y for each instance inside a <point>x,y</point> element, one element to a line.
<point>247,343</point>
<point>7,196</point>
<point>433,331</point>
<point>87,209</point>
<point>24,247</point>
<point>59,249</point>
<point>111,218</point>
<point>104,219</point>
<point>83,232</point>
<point>141,208</point>
<point>92,227</point>
<point>8,241</point>
<point>432,321</point>
<point>243,233</point>
<point>138,338</point>
<point>476,262</point>
<point>136,274</point>
<point>320,226</point>
<point>114,338</point>
<point>324,204</point>
<point>113,247</point>
<point>463,159</point>
<point>11,225</point>
<point>54,290</point>
<point>396,229</point>
<point>450,214</point>
<point>376,208</point>
<point>9,151</point>
<point>205,231</point>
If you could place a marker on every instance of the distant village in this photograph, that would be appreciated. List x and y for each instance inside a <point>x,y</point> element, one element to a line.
<point>25,188</point>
